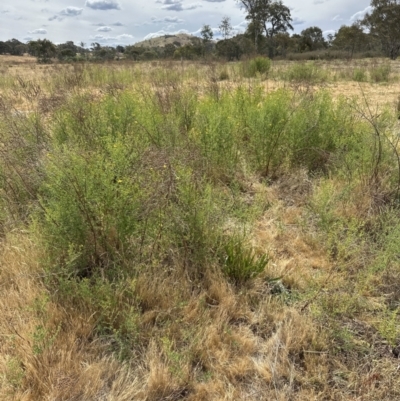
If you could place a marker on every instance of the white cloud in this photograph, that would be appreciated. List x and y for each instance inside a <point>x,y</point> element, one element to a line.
<point>360,14</point>
<point>103,4</point>
<point>104,29</point>
<point>40,31</point>
<point>174,20</point>
<point>163,33</point>
<point>112,40</point>
<point>328,32</point>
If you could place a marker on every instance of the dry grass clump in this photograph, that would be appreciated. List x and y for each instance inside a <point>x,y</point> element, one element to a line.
<point>48,352</point>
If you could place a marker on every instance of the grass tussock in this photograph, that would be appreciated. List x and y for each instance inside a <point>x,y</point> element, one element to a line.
<point>184,233</point>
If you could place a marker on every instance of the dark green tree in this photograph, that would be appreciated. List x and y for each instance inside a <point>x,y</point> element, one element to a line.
<point>272,16</point>
<point>207,36</point>
<point>236,47</point>
<point>67,51</point>
<point>283,42</point>
<point>133,52</point>
<point>169,50</point>
<point>383,23</point>
<point>4,48</point>
<point>254,32</point>
<point>17,48</point>
<point>43,49</point>
<point>350,39</point>
<point>313,39</point>
<point>102,53</point>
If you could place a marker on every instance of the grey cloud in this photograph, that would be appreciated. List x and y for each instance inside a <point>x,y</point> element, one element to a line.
<point>297,21</point>
<point>177,5</point>
<point>169,1</point>
<point>108,25</point>
<point>40,31</point>
<point>104,29</point>
<point>174,7</point>
<point>67,12</point>
<point>103,4</point>
<point>215,1</point>
<point>71,11</point>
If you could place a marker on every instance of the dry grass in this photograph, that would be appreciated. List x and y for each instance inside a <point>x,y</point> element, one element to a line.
<point>278,337</point>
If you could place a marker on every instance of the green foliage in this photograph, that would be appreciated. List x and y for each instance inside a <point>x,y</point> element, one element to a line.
<point>360,75</point>
<point>388,327</point>
<point>258,65</point>
<point>224,74</point>
<point>15,373</point>
<point>157,178</point>
<point>380,73</point>
<point>306,73</point>
<point>43,49</point>
<point>382,22</point>
<point>241,263</point>
<point>23,140</point>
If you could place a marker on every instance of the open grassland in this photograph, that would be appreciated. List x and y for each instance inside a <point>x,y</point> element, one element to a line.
<point>199,231</point>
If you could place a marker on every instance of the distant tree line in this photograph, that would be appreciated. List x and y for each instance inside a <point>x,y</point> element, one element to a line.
<point>269,23</point>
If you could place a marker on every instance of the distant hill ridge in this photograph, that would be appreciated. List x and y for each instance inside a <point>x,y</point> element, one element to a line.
<point>180,39</point>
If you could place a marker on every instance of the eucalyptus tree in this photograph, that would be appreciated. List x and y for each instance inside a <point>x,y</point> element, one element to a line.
<point>43,49</point>
<point>225,27</point>
<point>350,38</point>
<point>207,35</point>
<point>383,23</point>
<point>313,38</point>
<point>267,16</point>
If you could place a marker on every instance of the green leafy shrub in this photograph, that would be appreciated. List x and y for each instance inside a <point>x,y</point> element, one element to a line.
<point>360,75</point>
<point>306,73</point>
<point>258,65</point>
<point>224,74</point>
<point>241,263</point>
<point>380,73</point>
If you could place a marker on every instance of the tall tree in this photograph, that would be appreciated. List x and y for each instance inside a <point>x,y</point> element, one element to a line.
<point>225,27</point>
<point>272,16</point>
<point>383,23</point>
<point>207,36</point>
<point>313,39</point>
<point>43,49</point>
<point>206,33</point>
<point>350,39</point>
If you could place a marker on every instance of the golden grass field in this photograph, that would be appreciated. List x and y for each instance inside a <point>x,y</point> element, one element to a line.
<point>321,322</point>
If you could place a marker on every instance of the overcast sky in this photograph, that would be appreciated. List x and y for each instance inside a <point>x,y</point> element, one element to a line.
<point>128,21</point>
